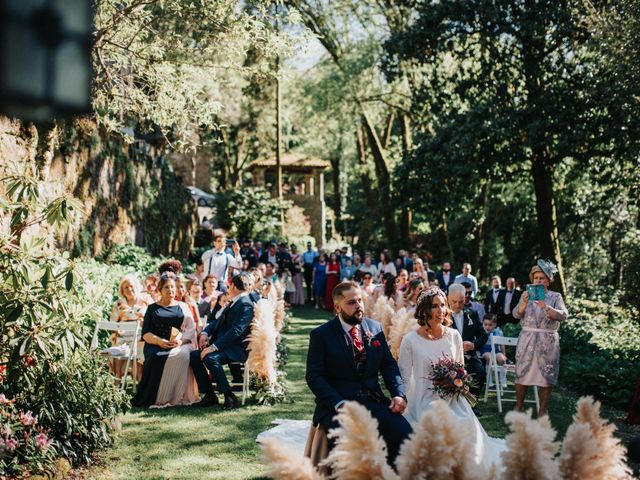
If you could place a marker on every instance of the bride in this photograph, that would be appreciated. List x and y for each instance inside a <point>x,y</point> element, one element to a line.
<point>434,339</point>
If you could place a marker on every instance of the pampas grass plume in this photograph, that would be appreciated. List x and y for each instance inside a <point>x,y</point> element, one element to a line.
<point>530,448</point>
<point>402,324</point>
<point>590,451</point>
<point>359,453</point>
<point>439,448</point>
<point>287,464</point>
<point>262,342</point>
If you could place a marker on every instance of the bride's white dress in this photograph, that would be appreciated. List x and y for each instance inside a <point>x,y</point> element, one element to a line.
<point>416,356</point>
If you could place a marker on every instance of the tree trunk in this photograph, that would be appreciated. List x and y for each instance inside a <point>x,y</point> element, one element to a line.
<point>444,242</point>
<point>336,202</point>
<point>366,221</point>
<point>542,173</point>
<point>384,182</point>
<point>407,146</point>
<point>476,243</point>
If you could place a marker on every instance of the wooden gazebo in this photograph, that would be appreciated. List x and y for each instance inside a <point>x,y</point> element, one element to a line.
<point>302,183</point>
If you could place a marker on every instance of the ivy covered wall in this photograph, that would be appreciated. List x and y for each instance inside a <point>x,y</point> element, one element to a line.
<point>129,194</point>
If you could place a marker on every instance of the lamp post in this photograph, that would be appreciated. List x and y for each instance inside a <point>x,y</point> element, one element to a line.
<point>45,58</point>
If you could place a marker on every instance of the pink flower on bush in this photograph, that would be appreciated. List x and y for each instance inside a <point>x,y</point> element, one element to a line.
<point>4,400</point>
<point>6,431</point>
<point>42,441</point>
<point>27,419</point>
<point>11,444</point>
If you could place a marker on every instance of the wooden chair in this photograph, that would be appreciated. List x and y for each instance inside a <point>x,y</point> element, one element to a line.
<point>317,448</point>
<point>494,370</point>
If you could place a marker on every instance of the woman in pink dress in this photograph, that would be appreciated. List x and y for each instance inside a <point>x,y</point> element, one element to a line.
<point>538,350</point>
<point>333,278</point>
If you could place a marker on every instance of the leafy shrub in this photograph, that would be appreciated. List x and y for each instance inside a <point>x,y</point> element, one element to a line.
<point>46,309</point>
<point>25,445</point>
<point>600,351</point>
<point>134,257</point>
<point>250,212</point>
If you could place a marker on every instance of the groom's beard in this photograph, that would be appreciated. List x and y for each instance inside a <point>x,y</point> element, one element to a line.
<point>354,319</point>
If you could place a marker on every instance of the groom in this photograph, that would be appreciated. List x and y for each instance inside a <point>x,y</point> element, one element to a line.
<point>346,356</point>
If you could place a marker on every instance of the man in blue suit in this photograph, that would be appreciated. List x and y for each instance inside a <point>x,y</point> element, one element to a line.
<point>346,356</point>
<point>223,342</point>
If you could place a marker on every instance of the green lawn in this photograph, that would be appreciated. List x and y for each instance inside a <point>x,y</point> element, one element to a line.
<point>193,443</point>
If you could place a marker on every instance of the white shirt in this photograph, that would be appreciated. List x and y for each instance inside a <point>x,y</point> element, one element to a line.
<point>459,319</point>
<point>496,291</point>
<point>507,302</point>
<point>445,277</point>
<point>217,263</point>
<point>347,329</point>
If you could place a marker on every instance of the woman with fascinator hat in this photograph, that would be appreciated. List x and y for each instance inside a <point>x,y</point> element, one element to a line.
<point>538,350</point>
<point>421,348</point>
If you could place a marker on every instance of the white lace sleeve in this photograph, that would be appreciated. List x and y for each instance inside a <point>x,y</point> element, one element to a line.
<point>405,360</point>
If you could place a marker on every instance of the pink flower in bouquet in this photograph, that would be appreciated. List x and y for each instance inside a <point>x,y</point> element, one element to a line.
<point>11,444</point>
<point>27,419</point>
<point>452,374</point>
<point>42,441</point>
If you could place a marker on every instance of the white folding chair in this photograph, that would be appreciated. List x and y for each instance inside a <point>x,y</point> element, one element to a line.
<point>245,381</point>
<point>130,334</point>
<point>494,370</point>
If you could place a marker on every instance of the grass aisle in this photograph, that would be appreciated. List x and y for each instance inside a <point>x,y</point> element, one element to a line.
<point>192,443</point>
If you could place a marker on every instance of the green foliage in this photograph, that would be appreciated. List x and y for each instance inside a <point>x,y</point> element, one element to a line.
<point>600,351</point>
<point>250,212</point>
<point>134,258</point>
<point>47,307</point>
<point>174,58</point>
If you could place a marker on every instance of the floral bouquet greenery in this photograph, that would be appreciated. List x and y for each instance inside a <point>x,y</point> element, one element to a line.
<point>450,379</point>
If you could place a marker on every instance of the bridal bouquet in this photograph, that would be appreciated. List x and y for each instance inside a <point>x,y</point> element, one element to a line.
<point>450,379</point>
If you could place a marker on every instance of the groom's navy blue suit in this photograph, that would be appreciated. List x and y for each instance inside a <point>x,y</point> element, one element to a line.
<point>337,372</point>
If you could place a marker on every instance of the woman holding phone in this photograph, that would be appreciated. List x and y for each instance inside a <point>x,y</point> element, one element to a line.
<point>538,350</point>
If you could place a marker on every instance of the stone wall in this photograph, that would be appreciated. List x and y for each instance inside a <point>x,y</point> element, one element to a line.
<point>126,196</point>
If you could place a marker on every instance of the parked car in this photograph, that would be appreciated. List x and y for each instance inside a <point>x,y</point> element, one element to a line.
<point>202,198</point>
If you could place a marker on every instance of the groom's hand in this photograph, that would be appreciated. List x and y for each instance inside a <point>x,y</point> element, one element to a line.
<point>398,405</point>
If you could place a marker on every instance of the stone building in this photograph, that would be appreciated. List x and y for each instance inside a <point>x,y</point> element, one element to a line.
<point>302,183</point>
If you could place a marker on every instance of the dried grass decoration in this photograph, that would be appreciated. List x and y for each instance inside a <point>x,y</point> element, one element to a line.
<point>530,448</point>
<point>287,464</point>
<point>590,451</point>
<point>261,360</point>
<point>439,448</point>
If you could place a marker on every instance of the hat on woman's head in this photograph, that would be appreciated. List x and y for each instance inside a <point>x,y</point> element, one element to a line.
<point>548,268</point>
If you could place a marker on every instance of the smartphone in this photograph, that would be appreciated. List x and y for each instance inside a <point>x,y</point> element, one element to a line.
<point>230,242</point>
<point>536,292</point>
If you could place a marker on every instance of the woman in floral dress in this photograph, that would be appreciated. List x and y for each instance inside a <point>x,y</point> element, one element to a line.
<point>538,350</point>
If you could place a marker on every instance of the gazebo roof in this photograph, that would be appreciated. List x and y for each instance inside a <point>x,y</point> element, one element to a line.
<point>291,160</point>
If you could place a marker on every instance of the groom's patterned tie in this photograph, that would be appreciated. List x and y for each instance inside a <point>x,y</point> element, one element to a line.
<point>356,338</point>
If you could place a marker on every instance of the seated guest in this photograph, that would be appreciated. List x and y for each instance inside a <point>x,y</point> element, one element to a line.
<point>211,292</point>
<point>167,378</point>
<point>468,324</point>
<point>130,307</point>
<point>182,295</point>
<point>151,294</point>
<point>367,283</point>
<point>411,294</point>
<point>219,303</point>
<point>490,325</point>
<point>402,280</point>
<point>346,357</point>
<point>195,292</point>
<point>469,302</point>
<point>223,342</point>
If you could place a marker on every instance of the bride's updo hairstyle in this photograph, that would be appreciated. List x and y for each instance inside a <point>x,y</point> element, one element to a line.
<point>424,306</point>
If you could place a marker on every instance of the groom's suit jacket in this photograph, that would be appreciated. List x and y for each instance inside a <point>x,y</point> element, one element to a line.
<point>332,373</point>
<point>231,329</point>
<point>472,330</point>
